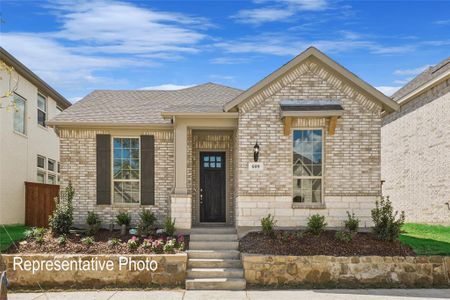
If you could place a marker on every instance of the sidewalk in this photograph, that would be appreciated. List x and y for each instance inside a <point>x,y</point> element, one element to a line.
<point>376,294</point>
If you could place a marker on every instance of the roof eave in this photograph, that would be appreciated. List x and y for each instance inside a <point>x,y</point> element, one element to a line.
<point>408,97</point>
<point>33,78</point>
<point>203,115</point>
<point>387,103</point>
<point>63,124</point>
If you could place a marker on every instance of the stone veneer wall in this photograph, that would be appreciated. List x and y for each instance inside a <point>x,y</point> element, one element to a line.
<point>352,155</point>
<point>171,272</point>
<point>347,272</point>
<point>78,165</point>
<point>416,156</point>
<point>210,140</point>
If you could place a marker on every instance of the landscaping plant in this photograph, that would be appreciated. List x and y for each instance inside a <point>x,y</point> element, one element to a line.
<point>352,222</point>
<point>62,240</point>
<point>113,242</point>
<point>123,219</point>
<point>267,224</point>
<point>169,226</point>
<point>133,243</point>
<point>386,223</point>
<point>343,236</point>
<point>316,224</point>
<point>93,221</point>
<point>169,246</point>
<point>62,218</point>
<point>88,241</point>
<point>146,223</point>
<point>35,232</point>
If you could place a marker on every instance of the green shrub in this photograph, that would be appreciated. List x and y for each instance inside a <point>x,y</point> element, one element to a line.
<point>169,246</point>
<point>133,243</point>
<point>267,224</point>
<point>387,225</point>
<point>123,218</point>
<point>62,218</point>
<point>147,222</point>
<point>169,226</point>
<point>344,236</point>
<point>352,222</point>
<point>87,240</point>
<point>316,224</point>
<point>35,232</point>
<point>113,242</point>
<point>93,221</point>
<point>62,240</point>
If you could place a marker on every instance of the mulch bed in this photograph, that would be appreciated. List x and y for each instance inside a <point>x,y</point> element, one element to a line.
<point>305,244</point>
<point>74,245</point>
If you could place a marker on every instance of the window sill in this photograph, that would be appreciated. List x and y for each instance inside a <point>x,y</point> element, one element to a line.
<point>20,134</point>
<point>42,127</point>
<point>309,205</point>
<point>125,205</point>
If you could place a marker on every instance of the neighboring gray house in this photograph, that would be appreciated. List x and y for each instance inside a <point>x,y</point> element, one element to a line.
<point>416,148</point>
<point>189,154</point>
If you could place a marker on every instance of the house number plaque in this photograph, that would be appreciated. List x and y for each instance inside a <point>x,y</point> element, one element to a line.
<point>255,166</point>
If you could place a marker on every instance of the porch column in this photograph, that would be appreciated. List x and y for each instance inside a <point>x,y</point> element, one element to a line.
<point>180,158</point>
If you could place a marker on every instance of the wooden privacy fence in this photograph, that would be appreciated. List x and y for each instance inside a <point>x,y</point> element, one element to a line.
<point>39,203</point>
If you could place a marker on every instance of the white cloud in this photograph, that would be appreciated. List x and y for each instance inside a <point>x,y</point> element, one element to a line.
<point>414,71</point>
<point>442,22</point>
<point>282,44</point>
<point>229,60</point>
<point>222,77</point>
<point>388,90</point>
<point>278,10</point>
<point>262,15</point>
<point>168,87</point>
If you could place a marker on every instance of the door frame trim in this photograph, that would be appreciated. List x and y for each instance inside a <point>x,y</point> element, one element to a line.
<point>226,152</point>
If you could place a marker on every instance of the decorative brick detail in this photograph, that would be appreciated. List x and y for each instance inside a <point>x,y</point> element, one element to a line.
<point>416,156</point>
<point>78,165</point>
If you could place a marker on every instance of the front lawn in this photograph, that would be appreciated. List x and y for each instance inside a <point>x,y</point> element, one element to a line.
<point>9,234</point>
<point>427,239</point>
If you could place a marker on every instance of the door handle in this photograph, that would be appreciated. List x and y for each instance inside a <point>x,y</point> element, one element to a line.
<point>201,196</point>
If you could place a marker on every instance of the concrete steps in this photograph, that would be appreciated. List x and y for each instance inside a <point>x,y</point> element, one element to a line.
<point>214,260</point>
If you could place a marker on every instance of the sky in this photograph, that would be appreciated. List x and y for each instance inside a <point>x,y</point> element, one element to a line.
<point>80,46</point>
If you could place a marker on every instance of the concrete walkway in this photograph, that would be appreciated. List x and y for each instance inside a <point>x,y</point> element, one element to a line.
<point>376,294</point>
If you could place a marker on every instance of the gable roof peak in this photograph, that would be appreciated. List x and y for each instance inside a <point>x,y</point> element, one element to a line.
<point>387,103</point>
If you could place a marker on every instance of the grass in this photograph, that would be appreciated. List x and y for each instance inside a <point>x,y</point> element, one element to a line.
<point>427,239</point>
<point>8,232</point>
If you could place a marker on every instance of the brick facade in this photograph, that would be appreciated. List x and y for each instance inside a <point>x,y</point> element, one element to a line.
<point>416,156</point>
<point>78,165</point>
<point>352,155</point>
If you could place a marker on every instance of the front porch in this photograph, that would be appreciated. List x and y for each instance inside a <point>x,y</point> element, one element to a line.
<point>205,172</point>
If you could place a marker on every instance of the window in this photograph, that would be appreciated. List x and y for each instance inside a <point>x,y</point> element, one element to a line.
<point>307,166</point>
<point>40,177</point>
<point>41,162</point>
<point>19,114</point>
<point>51,179</point>
<point>42,110</point>
<point>212,161</point>
<point>51,165</point>
<point>47,170</point>
<point>126,170</point>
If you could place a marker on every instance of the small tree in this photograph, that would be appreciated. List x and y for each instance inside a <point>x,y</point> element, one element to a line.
<point>62,218</point>
<point>316,224</point>
<point>267,224</point>
<point>386,224</point>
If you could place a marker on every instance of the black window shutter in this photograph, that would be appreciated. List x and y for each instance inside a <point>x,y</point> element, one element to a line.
<point>147,170</point>
<point>103,169</point>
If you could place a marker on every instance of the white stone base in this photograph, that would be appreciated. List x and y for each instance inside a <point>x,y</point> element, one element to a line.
<point>181,211</point>
<point>250,210</point>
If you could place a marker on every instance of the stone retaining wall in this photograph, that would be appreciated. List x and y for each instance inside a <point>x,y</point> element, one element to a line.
<point>346,272</point>
<point>171,271</point>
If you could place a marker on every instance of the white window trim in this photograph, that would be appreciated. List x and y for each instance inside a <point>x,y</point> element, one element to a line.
<point>125,180</point>
<point>25,127</point>
<point>320,204</point>
<point>45,112</point>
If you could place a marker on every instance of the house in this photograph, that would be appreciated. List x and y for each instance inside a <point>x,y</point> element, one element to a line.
<point>29,149</point>
<point>303,140</point>
<point>416,147</point>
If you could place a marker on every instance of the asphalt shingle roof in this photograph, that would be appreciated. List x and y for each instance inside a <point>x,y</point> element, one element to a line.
<point>422,78</point>
<point>146,106</point>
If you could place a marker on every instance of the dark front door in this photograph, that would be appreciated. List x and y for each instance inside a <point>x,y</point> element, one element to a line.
<point>212,187</point>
